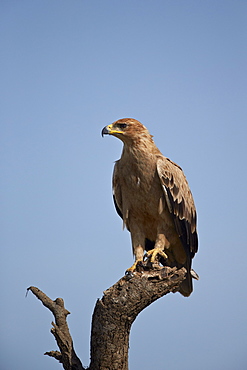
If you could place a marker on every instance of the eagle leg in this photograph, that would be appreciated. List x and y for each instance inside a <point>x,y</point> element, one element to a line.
<point>153,253</point>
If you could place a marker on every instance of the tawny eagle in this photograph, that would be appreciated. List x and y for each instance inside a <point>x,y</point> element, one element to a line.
<point>153,197</point>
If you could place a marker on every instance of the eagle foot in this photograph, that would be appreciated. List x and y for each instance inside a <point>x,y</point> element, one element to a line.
<point>154,253</point>
<point>138,265</point>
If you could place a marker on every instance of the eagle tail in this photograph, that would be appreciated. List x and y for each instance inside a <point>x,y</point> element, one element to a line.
<point>186,287</point>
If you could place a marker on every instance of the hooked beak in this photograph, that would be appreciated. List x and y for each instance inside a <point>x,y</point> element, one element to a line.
<point>106,130</point>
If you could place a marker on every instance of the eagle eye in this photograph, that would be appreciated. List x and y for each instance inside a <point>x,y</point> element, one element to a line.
<point>122,125</point>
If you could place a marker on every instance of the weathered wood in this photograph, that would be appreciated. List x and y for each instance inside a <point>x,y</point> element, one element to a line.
<point>60,330</point>
<point>117,310</point>
<point>113,316</point>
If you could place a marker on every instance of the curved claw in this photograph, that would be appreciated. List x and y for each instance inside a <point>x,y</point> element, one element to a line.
<point>129,274</point>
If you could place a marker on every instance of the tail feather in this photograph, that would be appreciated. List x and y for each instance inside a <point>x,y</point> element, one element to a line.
<point>186,287</point>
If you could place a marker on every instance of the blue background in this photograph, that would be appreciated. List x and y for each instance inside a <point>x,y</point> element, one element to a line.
<point>68,68</point>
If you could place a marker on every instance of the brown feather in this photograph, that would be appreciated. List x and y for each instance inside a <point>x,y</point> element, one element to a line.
<point>153,197</point>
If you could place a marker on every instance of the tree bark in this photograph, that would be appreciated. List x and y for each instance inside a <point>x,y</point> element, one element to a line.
<point>112,318</point>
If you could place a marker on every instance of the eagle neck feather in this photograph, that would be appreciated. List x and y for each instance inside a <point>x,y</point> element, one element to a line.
<point>138,162</point>
<point>140,149</point>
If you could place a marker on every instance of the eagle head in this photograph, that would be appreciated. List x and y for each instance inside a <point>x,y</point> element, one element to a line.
<point>126,129</point>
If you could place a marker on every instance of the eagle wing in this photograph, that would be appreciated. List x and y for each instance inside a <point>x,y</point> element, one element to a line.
<point>117,196</point>
<point>180,203</point>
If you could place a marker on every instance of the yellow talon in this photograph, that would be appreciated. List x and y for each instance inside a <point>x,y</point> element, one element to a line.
<point>154,252</point>
<point>133,267</point>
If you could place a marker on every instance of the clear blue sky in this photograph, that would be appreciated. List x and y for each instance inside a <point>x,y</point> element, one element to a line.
<point>68,68</point>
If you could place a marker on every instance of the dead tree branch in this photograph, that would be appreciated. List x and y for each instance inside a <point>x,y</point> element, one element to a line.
<point>60,330</point>
<point>112,318</point>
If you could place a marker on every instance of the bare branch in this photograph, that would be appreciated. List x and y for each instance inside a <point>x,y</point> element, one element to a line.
<point>112,318</point>
<point>60,330</point>
<point>55,354</point>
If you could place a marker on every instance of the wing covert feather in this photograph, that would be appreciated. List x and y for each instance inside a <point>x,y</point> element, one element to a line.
<point>180,202</point>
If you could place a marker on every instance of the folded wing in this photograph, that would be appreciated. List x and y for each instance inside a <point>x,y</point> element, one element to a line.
<point>180,203</point>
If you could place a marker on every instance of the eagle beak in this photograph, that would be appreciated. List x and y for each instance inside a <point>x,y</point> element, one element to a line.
<point>106,130</point>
